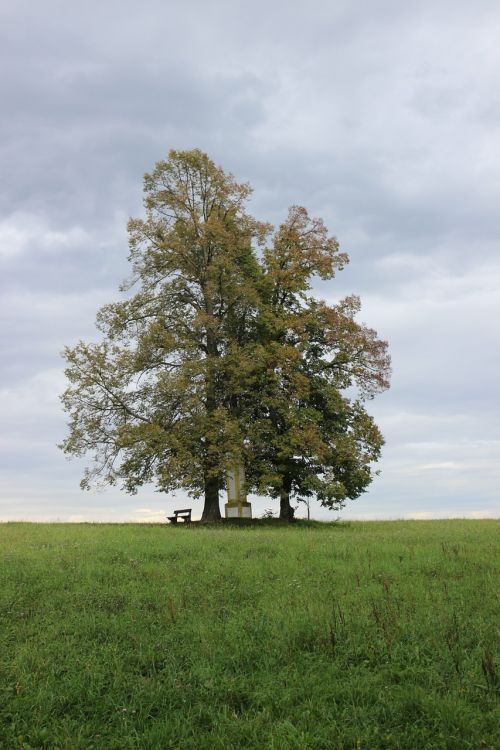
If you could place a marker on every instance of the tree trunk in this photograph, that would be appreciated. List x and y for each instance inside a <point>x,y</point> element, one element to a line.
<point>211,509</point>
<point>286,510</point>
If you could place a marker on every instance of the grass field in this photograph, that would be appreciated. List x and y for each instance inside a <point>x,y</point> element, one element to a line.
<point>351,635</point>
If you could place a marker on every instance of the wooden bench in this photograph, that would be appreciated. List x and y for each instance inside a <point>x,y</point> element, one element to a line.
<point>184,514</point>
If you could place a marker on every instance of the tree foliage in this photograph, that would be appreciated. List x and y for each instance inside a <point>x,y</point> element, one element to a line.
<point>309,438</point>
<point>220,352</point>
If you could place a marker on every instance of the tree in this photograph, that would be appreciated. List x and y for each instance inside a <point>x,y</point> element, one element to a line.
<point>308,437</point>
<point>149,400</point>
<point>219,354</point>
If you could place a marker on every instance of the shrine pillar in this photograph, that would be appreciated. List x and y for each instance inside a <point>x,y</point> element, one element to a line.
<point>237,505</point>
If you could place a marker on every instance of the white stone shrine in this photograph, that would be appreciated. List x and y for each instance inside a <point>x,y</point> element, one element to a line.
<point>237,505</point>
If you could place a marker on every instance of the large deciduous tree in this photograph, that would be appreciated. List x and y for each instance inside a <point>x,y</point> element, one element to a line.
<point>220,354</point>
<point>150,400</point>
<point>309,437</point>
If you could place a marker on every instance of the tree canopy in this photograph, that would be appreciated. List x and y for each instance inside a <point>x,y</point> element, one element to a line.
<point>219,353</point>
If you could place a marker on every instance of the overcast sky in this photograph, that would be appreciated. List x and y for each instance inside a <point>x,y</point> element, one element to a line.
<point>382,117</point>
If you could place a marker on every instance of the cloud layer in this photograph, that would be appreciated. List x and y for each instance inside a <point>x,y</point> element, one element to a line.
<point>382,118</point>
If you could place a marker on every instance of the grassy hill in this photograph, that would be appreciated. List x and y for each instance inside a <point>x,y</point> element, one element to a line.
<point>352,635</point>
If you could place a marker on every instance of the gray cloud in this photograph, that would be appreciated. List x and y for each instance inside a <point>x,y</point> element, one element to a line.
<point>382,118</point>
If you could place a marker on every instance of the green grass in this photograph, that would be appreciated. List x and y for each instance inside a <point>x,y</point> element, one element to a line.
<point>360,635</point>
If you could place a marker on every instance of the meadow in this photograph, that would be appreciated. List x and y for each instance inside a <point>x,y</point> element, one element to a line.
<point>345,635</point>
